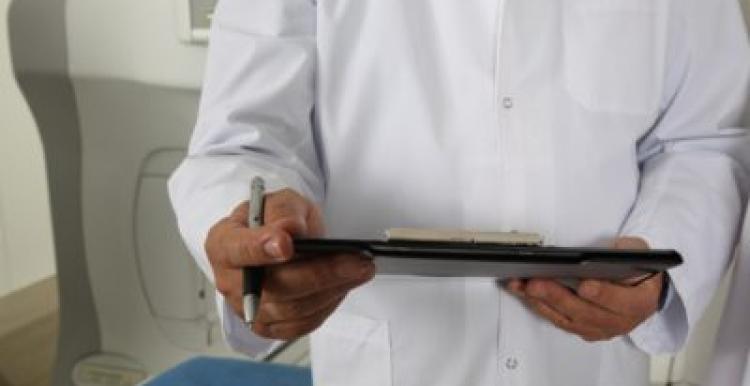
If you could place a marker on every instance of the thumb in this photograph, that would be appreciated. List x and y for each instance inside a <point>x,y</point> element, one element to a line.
<point>630,242</point>
<point>280,214</point>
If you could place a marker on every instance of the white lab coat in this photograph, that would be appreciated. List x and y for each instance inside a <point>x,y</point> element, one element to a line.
<point>731,361</point>
<point>578,119</point>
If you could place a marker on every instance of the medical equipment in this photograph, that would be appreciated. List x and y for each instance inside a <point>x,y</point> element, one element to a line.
<point>114,94</point>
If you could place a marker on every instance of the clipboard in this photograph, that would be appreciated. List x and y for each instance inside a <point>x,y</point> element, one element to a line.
<point>500,261</point>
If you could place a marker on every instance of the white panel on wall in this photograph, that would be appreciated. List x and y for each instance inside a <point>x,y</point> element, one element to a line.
<point>26,251</point>
<point>140,42</point>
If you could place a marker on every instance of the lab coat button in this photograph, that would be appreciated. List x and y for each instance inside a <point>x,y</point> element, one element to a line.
<point>511,363</point>
<point>508,102</point>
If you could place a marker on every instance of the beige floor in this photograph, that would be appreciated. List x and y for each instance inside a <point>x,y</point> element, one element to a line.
<point>26,355</point>
<point>27,348</point>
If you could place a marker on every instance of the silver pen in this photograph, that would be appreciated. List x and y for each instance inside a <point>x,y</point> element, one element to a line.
<point>253,276</point>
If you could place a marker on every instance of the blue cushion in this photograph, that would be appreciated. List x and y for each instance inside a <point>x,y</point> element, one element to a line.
<point>204,371</point>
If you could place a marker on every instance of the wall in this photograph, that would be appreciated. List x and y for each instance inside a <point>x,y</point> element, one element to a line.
<point>4,266</point>
<point>26,252</point>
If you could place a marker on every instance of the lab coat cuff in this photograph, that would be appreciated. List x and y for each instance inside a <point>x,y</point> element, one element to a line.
<point>668,293</point>
<point>667,330</point>
<point>239,336</point>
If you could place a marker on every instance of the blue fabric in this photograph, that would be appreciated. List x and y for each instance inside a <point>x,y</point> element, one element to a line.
<point>231,372</point>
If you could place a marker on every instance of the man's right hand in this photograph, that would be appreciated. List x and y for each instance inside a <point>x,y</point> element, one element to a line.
<point>298,294</point>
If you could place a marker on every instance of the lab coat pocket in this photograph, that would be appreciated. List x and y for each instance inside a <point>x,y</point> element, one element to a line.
<point>351,350</point>
<point>613,54</point>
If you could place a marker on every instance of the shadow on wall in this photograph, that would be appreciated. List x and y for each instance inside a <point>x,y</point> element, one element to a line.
<point>38,46</point>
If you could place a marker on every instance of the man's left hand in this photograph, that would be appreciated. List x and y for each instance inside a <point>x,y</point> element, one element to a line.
<point>597,310</point>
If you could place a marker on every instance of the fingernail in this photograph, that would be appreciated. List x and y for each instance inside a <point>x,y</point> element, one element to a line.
<point>273,249</point>
<point>537,290</point>
<point>590,289</point>
<point>366,269</point>
<point>514,286</point>
<point>349,270</point>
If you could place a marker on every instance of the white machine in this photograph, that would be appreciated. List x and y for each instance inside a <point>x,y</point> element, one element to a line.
<point>114,86</point>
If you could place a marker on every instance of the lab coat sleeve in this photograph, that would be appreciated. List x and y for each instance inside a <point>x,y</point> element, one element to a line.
<point>694,164</point>
<point>254,120</point>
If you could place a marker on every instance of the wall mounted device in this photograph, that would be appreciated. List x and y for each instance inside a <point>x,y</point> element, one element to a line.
<point>194,20</point>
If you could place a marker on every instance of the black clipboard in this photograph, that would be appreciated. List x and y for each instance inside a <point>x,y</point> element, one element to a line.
<point>501,261</point>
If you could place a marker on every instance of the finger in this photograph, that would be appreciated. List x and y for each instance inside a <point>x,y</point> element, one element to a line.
<point>564,323</point>
<point>628,242</point>
<point>293,329</point>
<point>315,225</point>
<point>240,214</point>
<point>229,285</point>
<point>634,301</point>
<point>286,214</point>
<point>516,286</point>
<point>282,210</point>
<point>231,243</point>
<point>565,302</point>
<point>287,211</point>
<point>633,281</point>
<point>300,278</point>
<point>587,332</point>
<point>244,247</point>
<point>632,243</point>
<point>299,308</point>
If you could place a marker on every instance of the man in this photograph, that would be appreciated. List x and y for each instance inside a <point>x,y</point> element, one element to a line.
<point>591,122</point>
